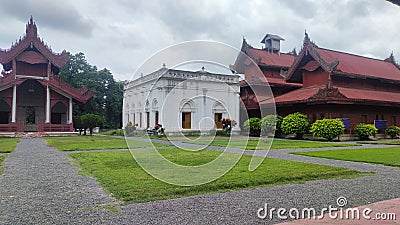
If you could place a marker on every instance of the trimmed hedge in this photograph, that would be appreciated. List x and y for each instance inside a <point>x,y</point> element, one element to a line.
<point>327,128</point>
<point>393,131</point>
<point>254,125</point>
<point>365,130</point>
<point>295,123</point>
<point>272,123</point>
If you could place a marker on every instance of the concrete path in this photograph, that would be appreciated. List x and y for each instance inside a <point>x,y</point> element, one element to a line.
<point>40,186</point>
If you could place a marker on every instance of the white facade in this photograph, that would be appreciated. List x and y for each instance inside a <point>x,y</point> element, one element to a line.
<point>181,100</point>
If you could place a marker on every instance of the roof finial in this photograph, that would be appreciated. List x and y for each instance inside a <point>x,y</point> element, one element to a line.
<point>392,60</point>
<point>31,29</point>
<point>306,38</point>
<point>163,65</point>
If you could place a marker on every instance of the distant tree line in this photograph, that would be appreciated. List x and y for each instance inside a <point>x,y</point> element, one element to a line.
<point>108,93</point>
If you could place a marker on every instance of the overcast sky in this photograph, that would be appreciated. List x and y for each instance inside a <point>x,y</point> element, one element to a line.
<point>121,34</point>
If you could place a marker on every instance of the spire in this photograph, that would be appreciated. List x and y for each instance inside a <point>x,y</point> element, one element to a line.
<point>306,38</point>
<point>31,29</point>
<point>245,46</point>
<point>392,60</point>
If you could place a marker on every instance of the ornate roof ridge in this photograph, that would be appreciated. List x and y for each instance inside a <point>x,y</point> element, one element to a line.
<point>30,38</point>
<point>309,47</point>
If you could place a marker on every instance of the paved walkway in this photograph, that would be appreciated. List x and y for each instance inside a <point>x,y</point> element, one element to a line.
<point>40,186</point>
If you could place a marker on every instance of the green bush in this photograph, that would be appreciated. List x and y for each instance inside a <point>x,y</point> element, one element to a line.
<point>393,131</point>
<point>327,128</point>
<point>365,130</point>
<point>90,121</point>
<point>272,123</point>
<point>254,125</point>
<point>295,123</point>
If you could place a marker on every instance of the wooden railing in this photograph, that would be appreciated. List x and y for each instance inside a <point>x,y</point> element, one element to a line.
<point>48,127</point>
<point>12,127</point>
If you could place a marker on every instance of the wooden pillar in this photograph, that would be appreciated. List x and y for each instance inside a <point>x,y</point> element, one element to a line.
<point>70,111</point>
<point>48,69</point>
<point>47,104</point>
<point>14,105</point>
<point>14,67</point>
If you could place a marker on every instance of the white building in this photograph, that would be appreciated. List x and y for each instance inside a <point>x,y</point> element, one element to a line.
<point>181,101</point>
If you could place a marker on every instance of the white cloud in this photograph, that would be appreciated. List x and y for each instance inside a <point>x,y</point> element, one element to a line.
<point>122,34</point>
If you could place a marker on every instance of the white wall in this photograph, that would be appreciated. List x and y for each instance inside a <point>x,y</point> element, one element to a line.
<point>171,93</point>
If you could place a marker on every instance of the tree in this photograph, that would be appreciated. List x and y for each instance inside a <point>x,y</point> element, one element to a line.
<point>327,128</point>
<point>108,93</point>
<point>295,123</point>
<point>90,121</point>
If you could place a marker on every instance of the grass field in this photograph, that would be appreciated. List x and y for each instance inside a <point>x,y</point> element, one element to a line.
<point>385,142</point>
<point>8,144</point>
<point>276,144</point>
<point>120,175</point>
<point>385,156</point>
<point>78,143</point>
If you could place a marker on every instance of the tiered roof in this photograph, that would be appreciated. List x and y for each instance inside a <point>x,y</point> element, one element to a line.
<point>31,38</point>
<point>337,63</point>
<point>44,54</point>
<point>341,63</point>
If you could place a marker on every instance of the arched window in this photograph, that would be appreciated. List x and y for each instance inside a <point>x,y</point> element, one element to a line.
<point>154,105</point>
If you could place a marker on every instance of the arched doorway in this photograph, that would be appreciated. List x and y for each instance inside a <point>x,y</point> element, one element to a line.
<point>187,109</point>
<point>59,113</point>
<point>30,104</point>
<point>5,111</point>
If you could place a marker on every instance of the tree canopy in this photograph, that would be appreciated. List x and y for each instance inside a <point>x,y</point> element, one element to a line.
<point>108,93</point>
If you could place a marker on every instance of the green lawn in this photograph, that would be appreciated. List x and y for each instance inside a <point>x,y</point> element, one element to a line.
<point>385,142</point>
<point>78,143</point>
<point>385,156</point>
<point>120,175</point>
<point>8,144</point>
<point>276,144</point>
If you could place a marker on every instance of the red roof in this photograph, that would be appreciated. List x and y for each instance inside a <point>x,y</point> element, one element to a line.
<point>354,64</point>
<point>369,95</point>
<point>263,57</point>
<point>281,81</point>
<point>31,39</point>
<point>271,82</point>
<point>298,95</point>
<point>347,94</point>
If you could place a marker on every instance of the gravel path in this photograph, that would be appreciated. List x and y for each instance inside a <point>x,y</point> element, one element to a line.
<point>40,186</point>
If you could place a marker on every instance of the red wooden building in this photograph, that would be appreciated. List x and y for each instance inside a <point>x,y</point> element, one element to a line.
<point>32,98</point>
<point>342,85</point>
<point>262,68</point>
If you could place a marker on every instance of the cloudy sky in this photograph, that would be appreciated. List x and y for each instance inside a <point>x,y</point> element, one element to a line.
<point>121,34</point>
